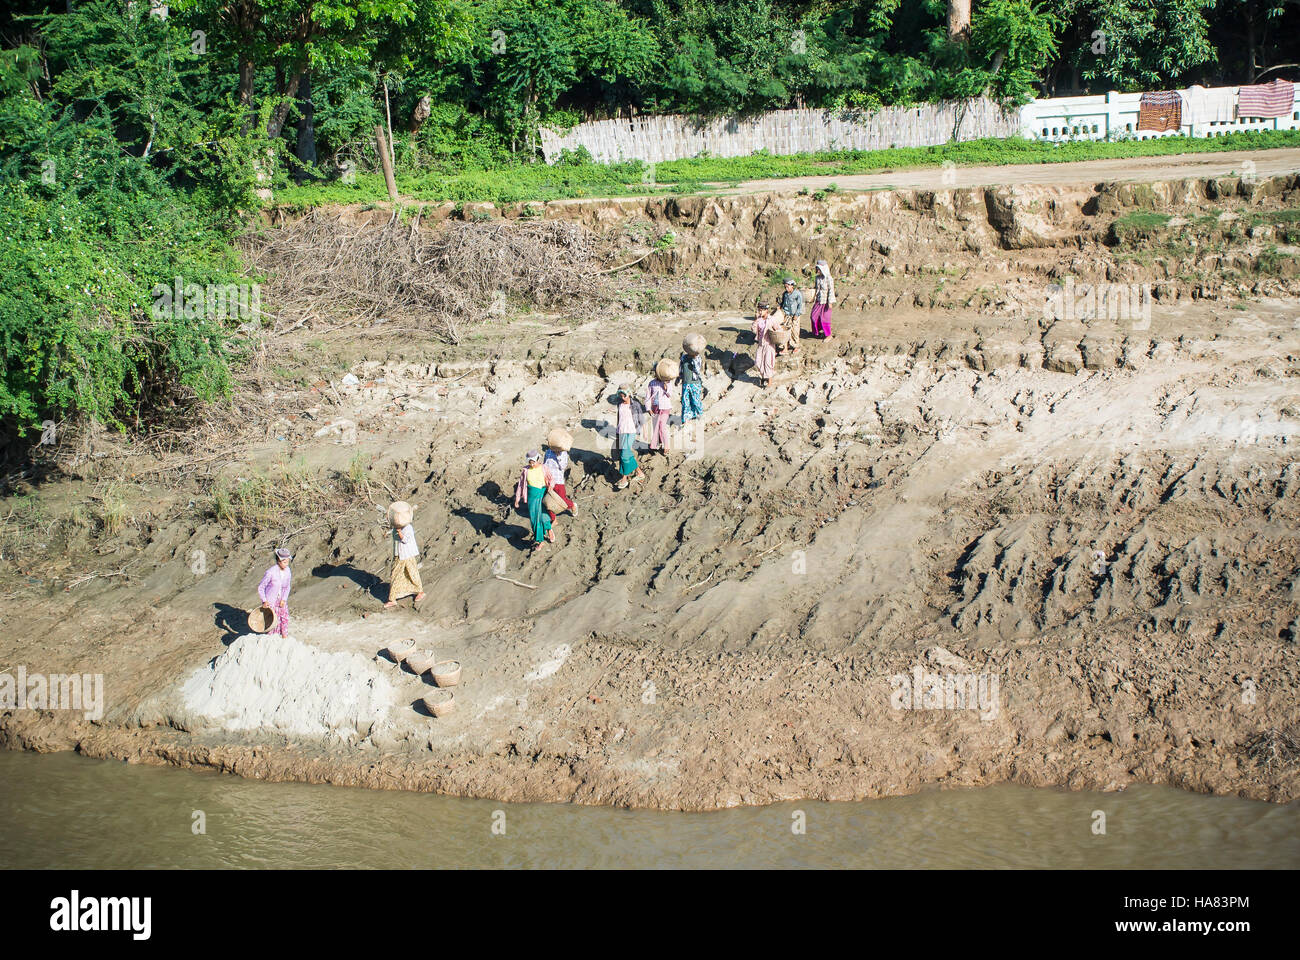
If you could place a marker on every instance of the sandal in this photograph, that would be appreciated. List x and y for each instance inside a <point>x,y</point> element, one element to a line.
<point>391,604</point>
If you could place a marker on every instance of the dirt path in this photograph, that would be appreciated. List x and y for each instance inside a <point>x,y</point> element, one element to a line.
<point>1267,163</point>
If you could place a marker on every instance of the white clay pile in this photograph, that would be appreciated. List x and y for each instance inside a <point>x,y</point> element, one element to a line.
<point>269,682</point>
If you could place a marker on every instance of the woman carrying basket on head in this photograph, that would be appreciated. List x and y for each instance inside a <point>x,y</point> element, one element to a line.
<point>660,402</point>
<point>558,444</point>
<point>692,375</point>
<point>406,568</point>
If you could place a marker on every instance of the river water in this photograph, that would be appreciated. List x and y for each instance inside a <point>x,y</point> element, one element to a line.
<point>61,810</point>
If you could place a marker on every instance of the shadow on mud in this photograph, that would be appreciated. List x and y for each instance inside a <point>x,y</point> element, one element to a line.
<point>232,621</point>
<point>371,583</point>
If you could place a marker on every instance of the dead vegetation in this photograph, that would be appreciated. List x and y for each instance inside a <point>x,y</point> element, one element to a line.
<point>432,280</point>
<point>1274,748</point>
<point>286,494</point>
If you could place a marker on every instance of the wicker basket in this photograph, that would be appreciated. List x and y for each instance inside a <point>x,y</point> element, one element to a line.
<point>559,439</point>
<point>446,673</point>
<point>776,335</point>
<point>399,650</point>
<point>420,662</point>
<point>694,344</point>
<point>553,502</point>
<point>260,620</point>
<point>666,370</point>
<point>440,702</point>
<point>400,513</point>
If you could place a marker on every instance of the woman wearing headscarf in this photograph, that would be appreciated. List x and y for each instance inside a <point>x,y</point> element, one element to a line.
<point>274,590</point>
<point>533,485</point>
<point>627,428</point>
<point>765,353</point>
<point>823,299</point>
<point>406,566</point>
<point>791,307</point>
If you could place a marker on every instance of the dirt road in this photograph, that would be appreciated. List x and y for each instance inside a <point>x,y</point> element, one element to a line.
<point>1267,163</point>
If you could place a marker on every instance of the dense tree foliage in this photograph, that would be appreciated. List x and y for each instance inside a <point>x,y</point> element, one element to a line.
<point>469,81</point>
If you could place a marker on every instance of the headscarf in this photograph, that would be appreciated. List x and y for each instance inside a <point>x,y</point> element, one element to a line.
<point>283,554</point>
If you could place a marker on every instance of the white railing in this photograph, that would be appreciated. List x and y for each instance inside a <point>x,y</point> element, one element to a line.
<point>655,139</point>
<point>1115,117</point>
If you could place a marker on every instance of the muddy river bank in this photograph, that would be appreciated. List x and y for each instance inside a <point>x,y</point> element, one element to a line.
<point>1090,525</point>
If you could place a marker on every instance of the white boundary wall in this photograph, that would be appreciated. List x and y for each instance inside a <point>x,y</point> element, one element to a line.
<point>655,139</point>
<point>1115,117</point>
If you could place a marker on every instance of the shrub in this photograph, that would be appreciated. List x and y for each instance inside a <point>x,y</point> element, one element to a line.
<point>77,334</point>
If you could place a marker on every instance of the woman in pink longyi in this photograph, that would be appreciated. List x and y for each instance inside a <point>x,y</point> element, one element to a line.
<point>661,406</point>
<point>765,352</point>
<point>274,590</point>
<point>823,300</point>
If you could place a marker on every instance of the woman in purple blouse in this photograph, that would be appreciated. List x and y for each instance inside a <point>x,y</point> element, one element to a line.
<point>274,590</point>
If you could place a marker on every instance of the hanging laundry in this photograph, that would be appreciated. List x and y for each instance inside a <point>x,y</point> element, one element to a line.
<point>1264,100</point>
<point>1159,111</point>
<point>1203,105</point>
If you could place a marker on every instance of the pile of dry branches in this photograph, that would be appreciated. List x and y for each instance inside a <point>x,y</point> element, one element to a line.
<point>438,280</point>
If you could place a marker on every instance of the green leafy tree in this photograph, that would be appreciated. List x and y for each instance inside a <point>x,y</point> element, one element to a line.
<point>93,220</point>
<point>289,37</point>
<point>1014,39</point>
<point>1145,43</point>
